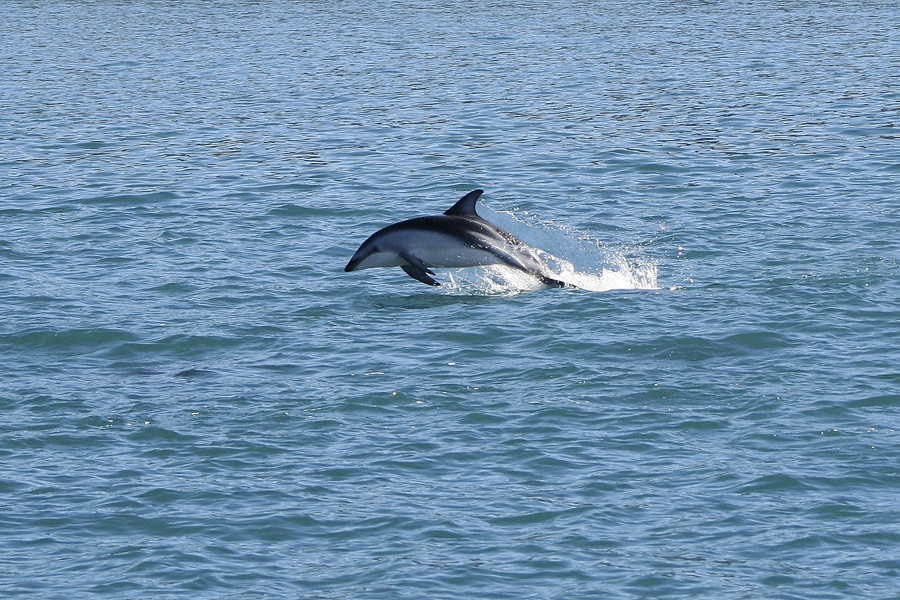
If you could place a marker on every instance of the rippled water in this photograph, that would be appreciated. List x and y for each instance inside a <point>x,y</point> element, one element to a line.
<point>197,401</point>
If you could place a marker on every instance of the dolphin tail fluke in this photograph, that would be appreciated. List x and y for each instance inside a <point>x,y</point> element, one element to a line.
<point>419,274</point>
<point>554,282</point>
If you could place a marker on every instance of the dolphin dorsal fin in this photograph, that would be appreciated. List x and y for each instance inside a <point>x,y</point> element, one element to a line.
<point>465,206</point>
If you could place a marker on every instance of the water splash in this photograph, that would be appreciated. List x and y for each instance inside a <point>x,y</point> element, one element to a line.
<point>615,272</point>
<point>589,263</point>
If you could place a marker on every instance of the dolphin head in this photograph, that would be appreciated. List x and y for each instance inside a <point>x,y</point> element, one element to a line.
<point>374,252</point>
<point>364,252</point>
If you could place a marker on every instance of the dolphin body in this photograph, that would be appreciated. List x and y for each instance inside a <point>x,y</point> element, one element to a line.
<point>457,238</point>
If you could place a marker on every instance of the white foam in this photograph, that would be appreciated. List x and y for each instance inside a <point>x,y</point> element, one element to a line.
<point>589,264</point>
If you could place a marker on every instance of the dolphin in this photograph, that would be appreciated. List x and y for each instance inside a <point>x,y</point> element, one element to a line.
<point>457,238</point>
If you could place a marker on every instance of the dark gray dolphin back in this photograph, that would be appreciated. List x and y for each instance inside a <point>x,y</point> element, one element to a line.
<point>465,206</point>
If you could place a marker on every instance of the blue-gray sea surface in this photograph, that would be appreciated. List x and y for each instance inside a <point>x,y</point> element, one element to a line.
<point>197,402</point>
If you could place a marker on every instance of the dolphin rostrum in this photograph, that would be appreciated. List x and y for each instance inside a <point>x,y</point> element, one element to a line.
<point>457,238</point>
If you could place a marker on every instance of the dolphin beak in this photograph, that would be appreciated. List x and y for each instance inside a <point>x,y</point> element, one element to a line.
<point>354,262</point>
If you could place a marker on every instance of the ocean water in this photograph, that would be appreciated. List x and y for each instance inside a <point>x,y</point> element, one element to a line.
<point>198,402</point>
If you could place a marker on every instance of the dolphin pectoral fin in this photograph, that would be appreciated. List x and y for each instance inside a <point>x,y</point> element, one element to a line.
<point>416,262</point>
<point>419,274</point>
<point>417,269</point>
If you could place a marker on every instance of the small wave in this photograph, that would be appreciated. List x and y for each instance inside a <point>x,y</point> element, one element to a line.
<point>76,340</point>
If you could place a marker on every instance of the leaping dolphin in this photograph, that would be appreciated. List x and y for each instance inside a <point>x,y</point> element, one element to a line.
<point>457,238</point>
